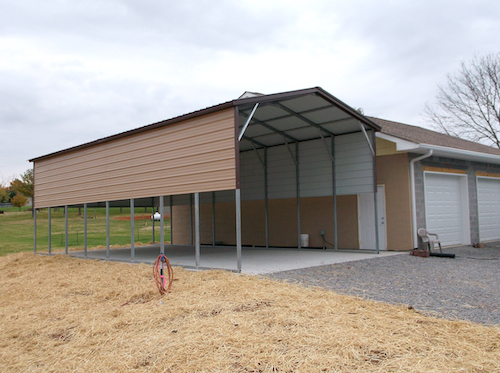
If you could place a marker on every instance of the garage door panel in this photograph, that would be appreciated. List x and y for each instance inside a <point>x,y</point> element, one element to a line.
<point>488,201</point>
<point>444,207</point>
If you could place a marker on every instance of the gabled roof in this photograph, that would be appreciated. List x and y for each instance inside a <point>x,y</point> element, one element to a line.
<point>297,115</point>
<point>415,139</point>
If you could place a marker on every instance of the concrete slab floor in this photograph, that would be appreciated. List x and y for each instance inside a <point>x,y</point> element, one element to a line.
<point>253,260</point>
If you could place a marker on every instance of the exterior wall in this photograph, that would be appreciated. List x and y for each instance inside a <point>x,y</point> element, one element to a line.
<point>316,214</point>
<point>393,171</point>
<point>385,147</point>
<point>194,155</point>
<point>353,165</point>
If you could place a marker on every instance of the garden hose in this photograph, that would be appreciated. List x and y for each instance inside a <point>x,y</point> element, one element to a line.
<point>159,274</point>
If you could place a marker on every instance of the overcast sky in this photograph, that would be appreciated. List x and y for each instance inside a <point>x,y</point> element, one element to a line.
<point>72,71</point>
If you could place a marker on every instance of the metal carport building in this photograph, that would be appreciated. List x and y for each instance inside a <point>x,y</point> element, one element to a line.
<point>259,171</point>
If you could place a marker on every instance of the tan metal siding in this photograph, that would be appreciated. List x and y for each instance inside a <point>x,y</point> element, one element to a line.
<point>194,155</point>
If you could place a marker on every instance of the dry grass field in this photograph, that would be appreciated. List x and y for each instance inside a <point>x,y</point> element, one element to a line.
<point>63,314</point>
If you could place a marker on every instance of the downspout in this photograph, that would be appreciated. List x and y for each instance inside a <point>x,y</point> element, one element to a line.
<point>413,198</point>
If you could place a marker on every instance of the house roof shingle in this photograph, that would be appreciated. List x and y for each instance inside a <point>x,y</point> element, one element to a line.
<point>425,136</point>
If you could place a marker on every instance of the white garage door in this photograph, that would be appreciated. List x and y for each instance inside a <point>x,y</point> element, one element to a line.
<point>446,208</point>
<point>488,202</point>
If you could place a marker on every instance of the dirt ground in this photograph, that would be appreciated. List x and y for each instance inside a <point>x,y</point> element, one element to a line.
<point>59,313</point>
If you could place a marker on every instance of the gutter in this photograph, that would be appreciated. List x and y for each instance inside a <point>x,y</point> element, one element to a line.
<point>413,198</point>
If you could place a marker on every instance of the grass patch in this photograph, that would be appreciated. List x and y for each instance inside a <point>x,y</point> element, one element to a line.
<point>16,229</point>
<point>59,313</point>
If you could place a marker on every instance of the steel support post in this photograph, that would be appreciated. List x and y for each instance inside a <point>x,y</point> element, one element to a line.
<point>297,178</point>
<point>162,226</point>
<point>213,218</point>
<point>375,189</point>
<point>238,228</point>
<point>132,230</point>
<point>85,229</point>
<point>153,223</point>
<point>191,216</point>
<point>266,198</point>
<point>376,219</point>
<point>50,231</point>
<point>107,229</point>
<point>197,228</point>
<point>334,186</point>
<point>34,230</point>
<point>171,220</point>
<point>66,238</point>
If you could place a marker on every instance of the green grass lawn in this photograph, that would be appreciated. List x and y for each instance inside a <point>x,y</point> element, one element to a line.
<point>16,229</point>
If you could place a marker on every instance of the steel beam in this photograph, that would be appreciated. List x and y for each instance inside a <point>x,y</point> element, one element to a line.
<point>275,130</point>
<point>249,118</point>
<point>370,145</point>
<point>303,118</point>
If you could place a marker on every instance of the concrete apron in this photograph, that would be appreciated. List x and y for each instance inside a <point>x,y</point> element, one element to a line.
<point>254,260</point>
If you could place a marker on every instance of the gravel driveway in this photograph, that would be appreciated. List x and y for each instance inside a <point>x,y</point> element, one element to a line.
<point>467,287</point>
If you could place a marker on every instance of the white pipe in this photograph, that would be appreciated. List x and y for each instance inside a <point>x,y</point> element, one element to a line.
<point>413,198</point>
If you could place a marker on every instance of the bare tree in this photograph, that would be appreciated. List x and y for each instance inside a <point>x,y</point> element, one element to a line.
<point>468,106</point>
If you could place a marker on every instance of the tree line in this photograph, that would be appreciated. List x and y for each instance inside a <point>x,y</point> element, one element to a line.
<point>18,191</point>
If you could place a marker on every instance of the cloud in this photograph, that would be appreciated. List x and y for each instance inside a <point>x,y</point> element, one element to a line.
<point>73,72</point>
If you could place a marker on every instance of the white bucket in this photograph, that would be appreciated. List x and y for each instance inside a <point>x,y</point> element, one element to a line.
<point>304,240</point>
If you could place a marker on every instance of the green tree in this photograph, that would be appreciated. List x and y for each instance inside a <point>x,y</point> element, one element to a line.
<point>25,185</point>
<point>3,194</point>
<point>19,200</point>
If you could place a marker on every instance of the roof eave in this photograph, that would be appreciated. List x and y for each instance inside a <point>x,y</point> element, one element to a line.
<point>468,155</point>
<point>440,151</point>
